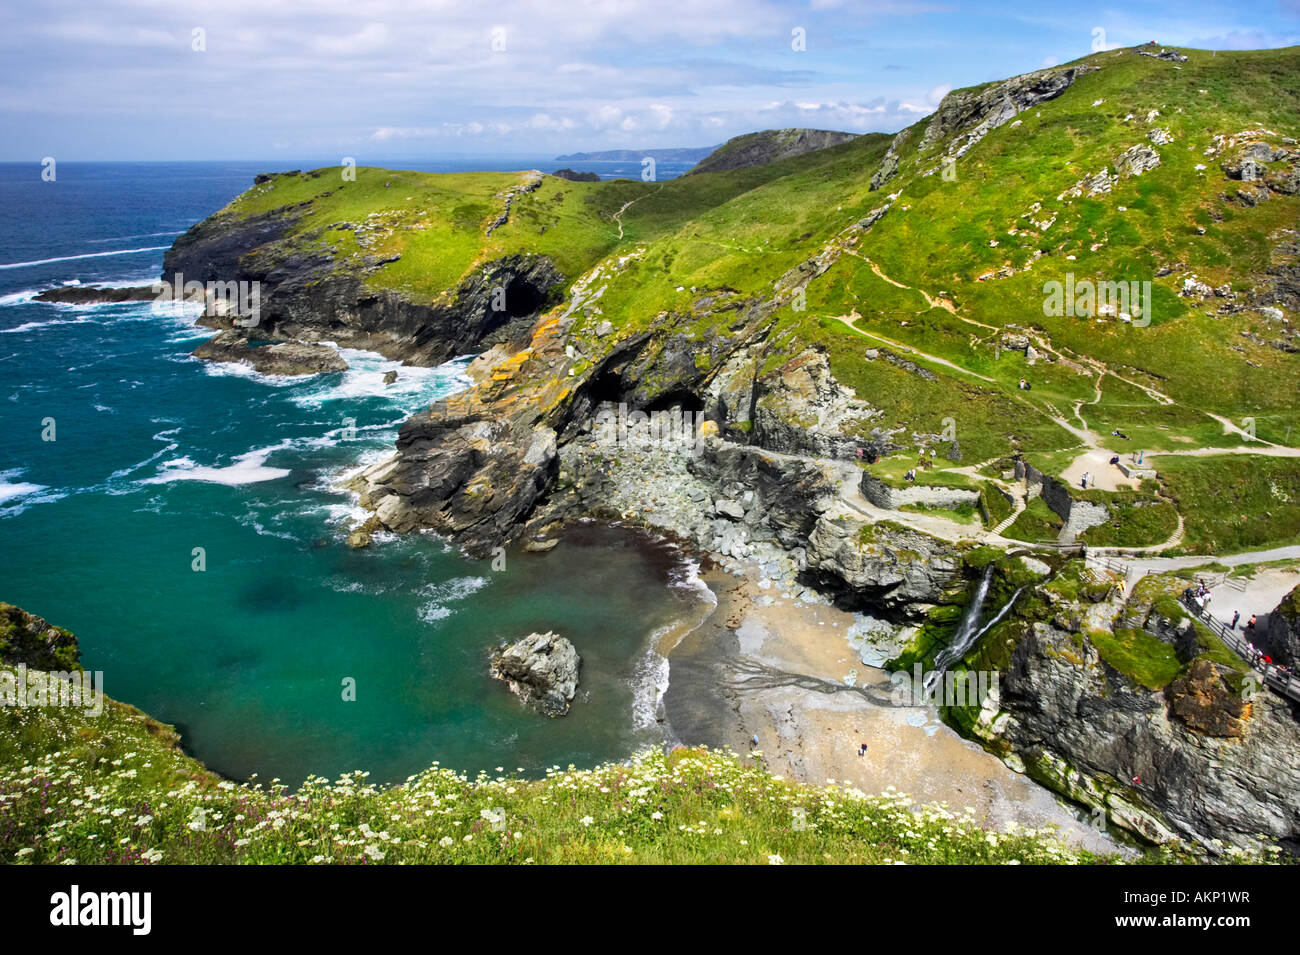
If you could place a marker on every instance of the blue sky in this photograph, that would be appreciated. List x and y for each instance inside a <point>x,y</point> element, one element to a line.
<point>380,79</point>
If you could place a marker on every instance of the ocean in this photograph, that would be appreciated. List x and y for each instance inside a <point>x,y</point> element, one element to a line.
<point>160,464</point>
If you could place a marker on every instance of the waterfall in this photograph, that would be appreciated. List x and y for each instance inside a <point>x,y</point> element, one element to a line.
<point>966,634</point>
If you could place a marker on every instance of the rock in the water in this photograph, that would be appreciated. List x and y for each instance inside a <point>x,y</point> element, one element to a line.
<point>390,377</point>
<point>540,546</point>
<point>96,294</point>
<point>542,670</point>
<point>280,358</point>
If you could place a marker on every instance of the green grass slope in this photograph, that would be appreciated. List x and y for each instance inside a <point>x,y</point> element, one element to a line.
<point>117,790</point>
<point>955,264</point>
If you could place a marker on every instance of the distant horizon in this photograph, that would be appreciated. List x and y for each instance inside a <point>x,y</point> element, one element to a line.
<point>324,161</point>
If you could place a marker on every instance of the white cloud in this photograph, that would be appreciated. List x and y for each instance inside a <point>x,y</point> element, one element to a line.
<point>369,39</point>
<point>936,95</point>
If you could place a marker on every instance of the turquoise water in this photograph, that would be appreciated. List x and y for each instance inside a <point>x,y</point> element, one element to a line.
<point>157,454</point>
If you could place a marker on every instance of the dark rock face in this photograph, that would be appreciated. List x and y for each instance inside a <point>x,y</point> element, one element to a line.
<point>802,409</point>
<point>27,640</point>
<point>96,294</point>
<point>771,145</point>
<point>1195,761</point>
<point>898,571</point>
<point>789,493</point>
<point>312,297</point>
<point>279,358</point>
<point>470,474</point>
<point>1283,636</point>
<point>1203,703</point>
<point>542,670</point>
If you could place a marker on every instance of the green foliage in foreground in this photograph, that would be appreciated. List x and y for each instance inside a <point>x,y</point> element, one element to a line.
<point>118,790</point>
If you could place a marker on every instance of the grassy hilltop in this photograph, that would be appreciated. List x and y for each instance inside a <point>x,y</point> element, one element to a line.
<point>953,268</point>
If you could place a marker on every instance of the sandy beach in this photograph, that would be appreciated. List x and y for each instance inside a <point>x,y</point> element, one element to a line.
<point>767,665</point>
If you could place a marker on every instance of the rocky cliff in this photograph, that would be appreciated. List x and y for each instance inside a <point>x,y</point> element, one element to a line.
<point>771,145</point>
<point>309,293</point>
<point>746,317</point>
<point>1194,749</point>
<point>28,640</point>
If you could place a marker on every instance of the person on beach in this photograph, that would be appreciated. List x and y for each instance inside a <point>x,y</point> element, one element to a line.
<point>862,749</point>
<point>753,741</point>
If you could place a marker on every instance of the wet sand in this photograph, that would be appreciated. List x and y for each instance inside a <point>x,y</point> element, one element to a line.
<point>763,664</point>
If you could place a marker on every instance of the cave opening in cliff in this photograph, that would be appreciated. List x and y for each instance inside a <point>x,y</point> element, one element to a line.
<point>523,298</point>
<point>677,398</point>
<point>606,387</point>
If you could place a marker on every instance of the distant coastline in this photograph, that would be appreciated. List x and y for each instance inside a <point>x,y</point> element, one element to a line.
<point>683,154</point>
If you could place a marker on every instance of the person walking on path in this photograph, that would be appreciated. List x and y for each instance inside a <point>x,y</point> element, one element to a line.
<point>1236,615</point>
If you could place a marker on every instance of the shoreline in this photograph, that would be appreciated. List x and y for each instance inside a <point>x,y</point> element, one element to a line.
<point>781,668</point>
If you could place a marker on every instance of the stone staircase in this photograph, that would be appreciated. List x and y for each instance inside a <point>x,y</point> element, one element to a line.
<point>1007,522</point>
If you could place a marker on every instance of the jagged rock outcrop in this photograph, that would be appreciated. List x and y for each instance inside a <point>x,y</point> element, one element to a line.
<point>800,408</point>
<point>889,165</point>
<point>276,358</point>
<point>1192,761</point>
<point>1173,56</point>
<point>1283,636</point>
<point>1136,160</point>
<point>784,495</point>
<point>967,116</point>
<point>1097,184</point>
<point>881,566</point>
<point>466,473</point>
<point>27,640</point>
<point>542,670</point>
<point>1203,702</point>
<point>770,145</point>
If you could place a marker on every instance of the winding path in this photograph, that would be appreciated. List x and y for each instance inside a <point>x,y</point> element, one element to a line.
<point>618,216</point>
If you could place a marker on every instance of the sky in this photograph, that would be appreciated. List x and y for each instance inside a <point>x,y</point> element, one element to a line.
<point>383,79</point>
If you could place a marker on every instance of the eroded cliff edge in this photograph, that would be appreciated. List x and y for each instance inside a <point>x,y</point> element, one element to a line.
<point>770,476</point>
